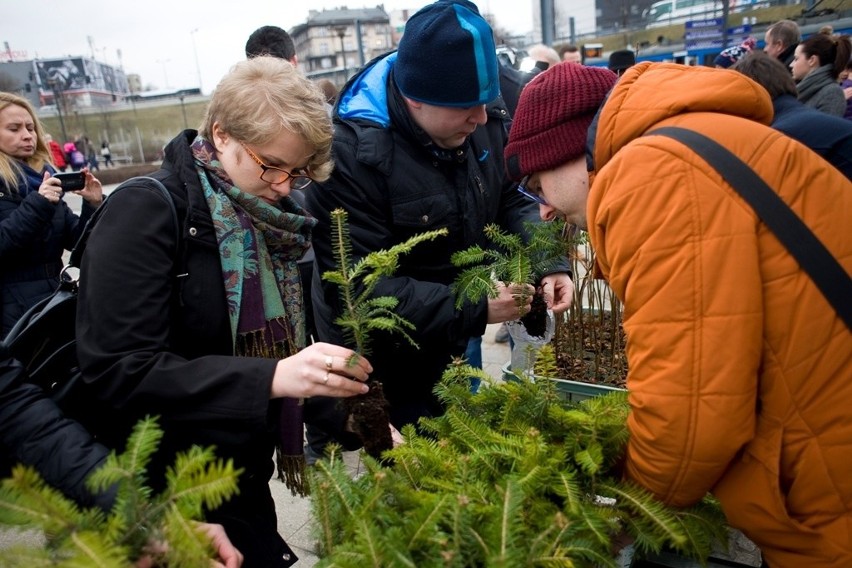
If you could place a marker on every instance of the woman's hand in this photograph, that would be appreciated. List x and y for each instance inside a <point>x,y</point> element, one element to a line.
<point>93,193</point>
<point>227,555</point>
<point>321,369</point>
<point>50,188</point>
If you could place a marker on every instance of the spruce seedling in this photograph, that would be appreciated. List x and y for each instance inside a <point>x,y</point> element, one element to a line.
<point>89,537</point>
<point>513,260</point>
<point>362,314</point>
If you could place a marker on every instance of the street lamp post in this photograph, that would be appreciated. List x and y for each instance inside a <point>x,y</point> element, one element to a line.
<point>341,32</point>
<point>195,52</point>
<point>165,74</point>
<point>183,111</point>
<point>58,103</point>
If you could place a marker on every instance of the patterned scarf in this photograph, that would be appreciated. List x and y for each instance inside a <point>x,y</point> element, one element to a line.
<point>259,245</point>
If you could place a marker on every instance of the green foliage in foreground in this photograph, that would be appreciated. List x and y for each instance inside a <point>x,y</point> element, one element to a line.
<point>78,537</point>
<point>512,476</point>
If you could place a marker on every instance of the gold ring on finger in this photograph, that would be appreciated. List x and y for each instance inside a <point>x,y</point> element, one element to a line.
<point>325,378</point>
<point>329,361</point>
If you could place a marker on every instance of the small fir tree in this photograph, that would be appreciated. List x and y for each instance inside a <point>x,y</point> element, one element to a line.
<point>89,537</point>
<point>363,314</point>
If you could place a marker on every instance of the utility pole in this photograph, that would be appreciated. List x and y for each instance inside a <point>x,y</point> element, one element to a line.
<point>195,52</point>
<point>547,23</point>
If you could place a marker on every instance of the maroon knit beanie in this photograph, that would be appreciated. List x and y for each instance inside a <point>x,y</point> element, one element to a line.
<point>553,115</point>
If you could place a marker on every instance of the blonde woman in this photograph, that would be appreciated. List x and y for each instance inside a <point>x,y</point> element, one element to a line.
<point>36,226</point>
<point>206,328</point>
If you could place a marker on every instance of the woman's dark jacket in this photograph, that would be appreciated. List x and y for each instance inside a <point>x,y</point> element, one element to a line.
<point>394,186</point>
<point>34,432</point>
<point>34,233</point>
<point>155,338</point>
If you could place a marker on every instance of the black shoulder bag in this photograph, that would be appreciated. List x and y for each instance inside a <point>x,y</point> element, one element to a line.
<point>828,275</point>
<point>44,338</point>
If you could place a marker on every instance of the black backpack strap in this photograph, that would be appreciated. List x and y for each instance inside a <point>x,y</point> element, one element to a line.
<point>813,257</point>
<point>80,245</point>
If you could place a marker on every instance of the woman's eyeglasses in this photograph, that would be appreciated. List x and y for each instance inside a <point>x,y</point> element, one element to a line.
<point>529,193</point>
<point>270,174</point>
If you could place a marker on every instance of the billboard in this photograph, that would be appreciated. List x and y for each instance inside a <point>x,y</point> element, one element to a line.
<point>62,74</point>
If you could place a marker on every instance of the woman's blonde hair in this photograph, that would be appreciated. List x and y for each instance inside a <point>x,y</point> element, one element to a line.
<point>261,96</point>
<point>10,169</point>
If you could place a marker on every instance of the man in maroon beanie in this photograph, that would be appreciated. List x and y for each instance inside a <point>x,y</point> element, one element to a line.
<point>736,359</point>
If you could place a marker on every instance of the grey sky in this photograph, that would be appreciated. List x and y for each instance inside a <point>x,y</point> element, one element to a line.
<point>156,36</point>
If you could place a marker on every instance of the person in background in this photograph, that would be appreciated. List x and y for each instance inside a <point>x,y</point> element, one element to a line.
<point>106,154</point>
<point>92,157</point>
<point>329,90</point>
<point>846,85</point>
<point>827,135</point>
<point>781,39</point>
<point>816,67</point>
<point>512,80</point>
<point>203,323</point>
<point>736,359</point>
<point>418,145</point>
<point>36,225</point>
<point>539,56</point>
<point>34,432</point>
<point>76,159</point>
<point>621,60</point>
<point>571,54</point>
<point>271,40</point>
<point>56,153</point>
<point>731,55</point>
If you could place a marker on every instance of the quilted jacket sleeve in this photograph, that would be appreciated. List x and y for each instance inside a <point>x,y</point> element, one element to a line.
<point>33,431</point>
<point>682,255</point>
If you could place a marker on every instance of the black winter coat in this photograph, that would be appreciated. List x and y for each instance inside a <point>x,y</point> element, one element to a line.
<point>34,234</point>
<point>34,432</point>
<point>155,338</point>
<point>393,187</point>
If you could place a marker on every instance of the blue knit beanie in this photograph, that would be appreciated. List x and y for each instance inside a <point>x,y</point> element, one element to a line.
<point>447,56</point>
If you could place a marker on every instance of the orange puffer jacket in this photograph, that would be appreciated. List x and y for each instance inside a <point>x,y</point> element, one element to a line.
<point>740,371</point>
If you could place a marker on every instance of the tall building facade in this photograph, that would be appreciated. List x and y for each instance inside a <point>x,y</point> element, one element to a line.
<point>334,44</point>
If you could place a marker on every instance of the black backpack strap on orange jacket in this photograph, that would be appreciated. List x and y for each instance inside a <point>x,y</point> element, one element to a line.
<point>813,257</point>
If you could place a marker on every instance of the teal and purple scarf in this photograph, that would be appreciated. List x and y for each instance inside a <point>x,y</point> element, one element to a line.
<point>259,245</point>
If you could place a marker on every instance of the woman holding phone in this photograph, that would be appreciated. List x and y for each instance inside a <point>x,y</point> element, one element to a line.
<point>36,226</point>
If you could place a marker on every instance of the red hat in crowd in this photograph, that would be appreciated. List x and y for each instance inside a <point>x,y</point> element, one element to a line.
<point>553,115</point>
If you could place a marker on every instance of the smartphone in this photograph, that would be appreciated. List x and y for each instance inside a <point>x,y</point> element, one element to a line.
<point>71,181</point>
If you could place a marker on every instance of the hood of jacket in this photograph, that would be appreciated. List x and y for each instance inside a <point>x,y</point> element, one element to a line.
<point>651,93</point>
<point>365,96</point>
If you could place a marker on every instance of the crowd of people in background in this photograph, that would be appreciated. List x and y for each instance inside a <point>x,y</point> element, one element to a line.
<point>223,325</point>
<point>78,154</point>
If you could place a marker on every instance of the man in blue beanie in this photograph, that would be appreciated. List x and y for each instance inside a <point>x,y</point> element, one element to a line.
<point>418,145</point>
